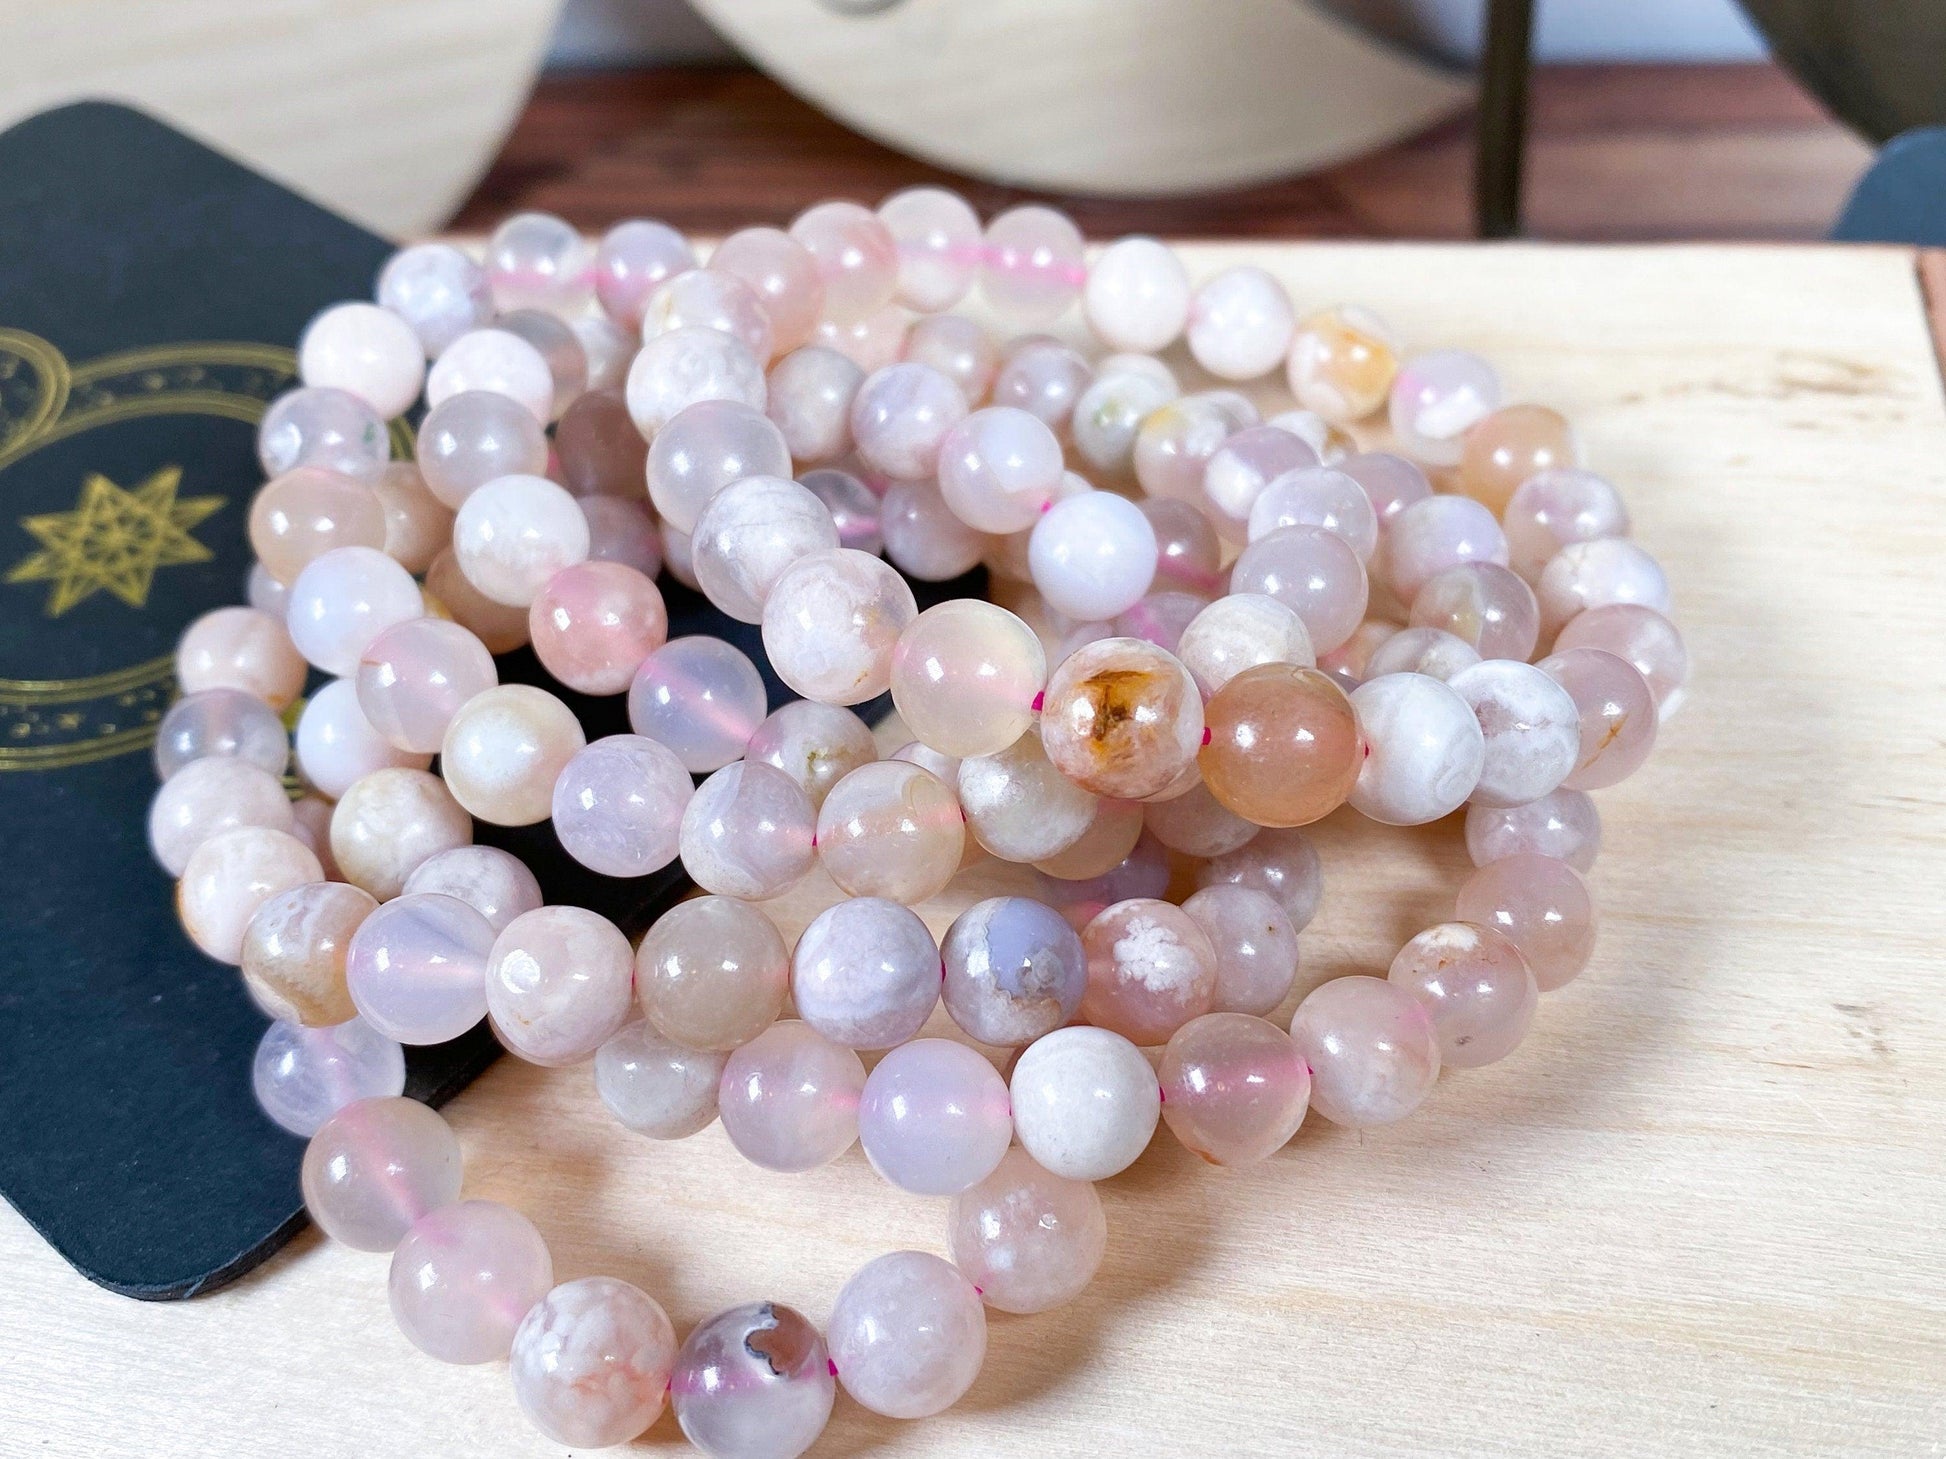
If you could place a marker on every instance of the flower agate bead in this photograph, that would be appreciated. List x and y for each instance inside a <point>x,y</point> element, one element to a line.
<point>464,1276</point>
<point>923,538</point>
<point>337,745</point>
<point>817,745</point>
<point>865,973</point>
<point>1556,509</point>
<point>1137,295</point>
<point>1541,906</point>
<point>1476,986</point>
<point>1188,552</point>
<point>264,592</point>
<point>1085,1102</point>
<point>1240,324</point>
<point>965,676</point>
<point>417,968</point>
<point>854,509</point>
<point>623,532</point>
<point>492,882</point>
<point>870,343</point>
<point>366,350</point>
<point>1513,445</point>
<point>748,534</point>
<point>208,797</point>
<point>1176,442</point>
<point>830,624</point>
<point>1563,824</point>
<point>1371,1048</point>
<point>808,399</point>
<point>1108,417</point>
<point>1285,748</point>
<point>782,276</point>
<point>1238,632</point>
<point>1014,970</point>
<point>789,1098</point>
<point>753,1382</point>
<point>344,599</point>
<point>609,350</point>
<point>1317,496</point>
<point>686,367</point>
<point>1027,1239</point>
<point>601,453</point>
<point>938,240</point>
<point>438,290</point>
<point>1643,638</point>
<point>1144,872</point>
<point>417,524</point>
<point>934,1117</point>
<point>1238,471</point>
<point>748,832</point>
<point>327,430</point>
<point>1255,944</point>
<point>618,805</point>
<point>240,648</point>
<point>1391,483</point>
<point>1585,575</point>
<point>1342,362</point>
<point>1424,750</point>
<point>500,627</point>
<point>1531,726</point>
<point>375,1167</point>
<point>1043,377</point>
<point>1121,718</point>
<point>504,751</point>
<point>498,361</point>
<point>1234,1088</point>
<point>559,982</point>
<point>230,876</point>
<point>657,1087</point>
<point>633,258</point>
<point>1033,263</point>
<point>1150,970</point>
<point>475,437</point>
<point>1281,863</point>
<point>1430,651</point>
<point>908,1334</point>
<point>891,829</point>
<point>712,973</point>
<point>1160,618</point>
<point>957,348</point>
<point>1019,805</point>
<point>591,1362</point>
<point>855,255</point>
<point>701,697</point>
<point>1436,399</point>
<point>539,261</point>
<point>302,1076</point>
<point>712,300</point>
<point>1197,824</point>
<point>999,468</point>
<point>594,623</point>
<point>390,821</point>
<point>303,514</point>
<point>1314,573</point>
<point>1616,710</point>
<point>559,346</point>
<point>516,532</point>
<point>1483,604</point>
<point>900,417</point>
<point>1093,555</point>
<point>1438,533</point>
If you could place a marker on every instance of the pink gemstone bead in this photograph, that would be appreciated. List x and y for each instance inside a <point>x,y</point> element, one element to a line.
<point>1436,534</point>
<point>701,697</point>
<point>1280,862</point>
<point>923,538</point>
<point>375,1168</point>
<point>749,832</point>
<point>1255,945</point>
<point>464,1276</point>
<point>618,805</point>
<point>417,524</point>
<point>624,533</point>
<point>782,275</point>
<point>633,259</point>
<point>601,453</point>
<point>1121,718</point>
<point>1424,749</point>
<point>1014,970</point>
<point>1019,805</point>
<point>516,532</point>
<point>753,1382</point>
<point>307,512</point>
<point>240,648</point>
<point>1238,471</point>
<point>938,239</point>
<point>908,1334</point>
<point>853,507</point>
<point>208,797</point>
<point>591,1362</point>
<point>229,876</point>
<point>1530,725</point>
<point>900,417</point>
<point>367,350</point>
<point>1033,263</point>
<point>505,749</point>
<point>712,973</point>
<point>1045,378</point>
<point>329,430</point>
<point>337,746</point>
<point>302,1076</point>
<point>1541,906</point>
<point>1563,824</point>
<point>438,290</point>
<point>1027,1240</point>
<point>414,676</point>
<point>856,256</point>
<point>1150,970</point>
<point>1585,575</point>
<point>417,968</point>
<point>492,882</point>
<point>999,468</point>
<point>1642,637</point>
<point>594,623</point>
<point>539,261</point>
<point>1238,632</point>
<point>1174,446</point>
<point>500,627</point>
<point>1483,604</point>
<point>657,1087</point>
<point>831,622</point>
<point>1476,986</point>
<point>817,745</point>
<point>559,982</point>
<point>870,343</point>
<point>789,1098</point>
<point>1391,483</point>
<point>1617,713</point>
<point>750,532</point>
<point>709,299</point>
<point>1234,1089</point>
<point>1556,509</point>
<point>390,821</point>
<point>1314,573</point>
<point>934,1118</point>
<point>608,349</point>
<point>866,973</point>
<point>965,677</point>
<point>1437,398</point>
<point>344,599</point>
<point>809,396</point>
<point>709,445</point>
<point>475,437</point>
<point>498,361</point>
<point>957,347</point>
<point>1085,1102</point>
<point>1371,1048</point>
<point>1188,554</point>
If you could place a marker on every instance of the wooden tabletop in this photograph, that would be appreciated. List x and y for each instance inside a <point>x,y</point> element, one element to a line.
<point>1699,1213</point>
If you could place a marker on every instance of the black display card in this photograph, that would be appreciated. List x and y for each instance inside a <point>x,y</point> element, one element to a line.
<point>150,294</point>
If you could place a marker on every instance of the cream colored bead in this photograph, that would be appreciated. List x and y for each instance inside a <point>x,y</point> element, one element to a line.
<point>229,876</point>
<point>389,822</point>
<point>504,750</point>
<point>241,648</point>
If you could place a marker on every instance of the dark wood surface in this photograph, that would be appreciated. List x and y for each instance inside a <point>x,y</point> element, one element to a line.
<point>1616,152</point>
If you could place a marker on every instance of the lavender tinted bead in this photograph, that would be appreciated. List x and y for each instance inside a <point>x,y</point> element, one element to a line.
<point>337,746</point>
<point>1317,496</point>
<point>865,973</point>
<point>1476,986</point>
<point>1540,905</point>
<point>1197,824</point>
<point>746,537</point>
<point>1617,715</point>
<point>789,1098</point>
<point>609,350</point>
<point>1563,824</point>
<point>225,722</point>
<point>494,883</point>
<point>1045,378</point>
<point>753,1382</point>
<point>1371,1048</point>
<point>1391,483</point>
<point>559,981</point>
<point>1430,651</point>
<point>809,398</point>
<point>1234,1088</point>
<point>900,417</point>
<point>1255,943</point>
<point>1176,442</point>
<point>1531,728</point>
<point>464,1276</point>
<point>498,361</point>
<point>854,509</point>
<point>591,1362</point>
<point>908,1334</point>
<point>632,260</point>
<point>375,1167</point>
<point>1014,970</point>
<point>1314,573</point>
<point>318,426</point>
<point>1027,1239</point>
<point>1033,265</point>
<point>1555,509</point>
<point>438,290</point>
<point>1486,605</point>
<point>999,469</point>
<point>1188,553</point>
<point>1643,638</point>
<point>748,832</point>
<point>657,1087</point>
<point>417,968</point>
<point>303,1076</point>
<point>923,538</point>
<point>1093,556</point>
<point>1240,469</point>
<point>539,261</point>
<point>934,1117</point>
<point>475,437</point>
<point>1280,862</point>
<point>1438,533</point>
<point>701,697</point>
<point>1437,398</point>
<point>345,598</point>
<point>618,805</point>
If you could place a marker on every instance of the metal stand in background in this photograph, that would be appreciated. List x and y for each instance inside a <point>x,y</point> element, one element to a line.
<point>1502,135</point>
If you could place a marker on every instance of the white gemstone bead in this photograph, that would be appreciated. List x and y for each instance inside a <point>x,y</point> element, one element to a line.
<point>1137,295</point>
<point>1532,730</point>
<point>495,360</point>
<point>1093,555</point>
<point>1085,1102</point>
<point>344,599</point>
<point>515,533</point>
<point>1424,749</point>
<point>366,350</point>
<point>1240,324</point>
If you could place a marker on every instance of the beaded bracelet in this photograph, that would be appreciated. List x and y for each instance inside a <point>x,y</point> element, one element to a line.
<point>1272,624</point>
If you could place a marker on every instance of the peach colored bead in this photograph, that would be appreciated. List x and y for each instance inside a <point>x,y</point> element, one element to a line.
<point>1510,446</point>
<point>634,257</point>
<point>893,830</point>
<point>817,745</point>
<point>1617,710</point>
<point>709,299</point>
<point>957,347</point>
<point>1483,604</point>
<point>1476,986</point>
<point>307,512</point>
<point>1019,806</point>
<point>1644,638</point>
<point>748,832</point>
<point>1586,575</point>
<point>390,821</point>
<point>413,678</point>
<point>1539,904</point>
<point>1197,824</point>
<point>965,677</point>
<point>1314,573</point>
<point>207,797</point>
<point>809,395</point>
<point>601,453</point>
<point>1284,745</point>
<point>1438,533</point>
<point>375,1167</point>
<point>1371,1048</point>
<point>502,627</point>
<point>494,883</point>
<point>311,824</point>
<point>712,973</point>
<point>417,524</point>
<point>618,805</point>
<point>591,1362</point>
<point>240,648</point>
<point>592,624</point>
<point>923,538</point>
<point>1111,835</point>
<point>464,1276</point>
<point>1549,511</point>
<point>230,876</point>
<point>1341,363</point>
<point>783,276</point>
<point>475,437</point>
<point>294,948</point>
<point>504,750</point>
<point>1563,824</point>
<point>1121,718</point>
<point>559,982</point>
<point>789,1098</point>
<point>831,622</point>
<point>870,343</point>
<point>938,239</point>
<point>855,254</point>
<point>1234,1089</point>
<point>1033,264</point>
<point>1150,970</point>
<point>1027,1239</point>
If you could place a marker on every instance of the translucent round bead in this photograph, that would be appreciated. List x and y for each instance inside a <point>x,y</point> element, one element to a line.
<point>938,241</point>
<point>934,1117</point>
<point>831,622</point>
<point>965,677</point>
<point>1255,943</point>
<point>923,538</point>
<point>608,349</point>
<point>853,507</point>
<point>1033,264</point>
<point>1371,1048</point>
<point>713,300</point>
<point>1188,553</point>
<point>701,697</point>
<point>1531,726</point>
<point>1424,750</point>
<point>417,968</point>
<point>1285,747</point>
<point>1112,833</point>
<point>601,452</point>
<point>901,415</point>
<point>592,1361</point>
<point>505,749</point>
<point>494,883</point>
<point>366,350</point>
<point>1085,1102</point>
<point>809,397</point>
<point>1240,324</point>
<point>498,361</point>
<point>1137,295</point>
<point>323,429</point>
<point>417,524</point>
<point>908,1334</point>
<point>632,260</point>
<point>1108,417</point>
<point>302,1076</point>
<point>657,1087</point>
<point>685,367</point>
<point>375,1167</point>
<point>712,973</point>
<point>1585,575</point>
<point>438,290</point>
<point>870,343</point>
<point>618,805</point>
<point>1511,446</point>
<point>1476,986</point>
<point>1563,824</point>
<point>1144,872</point>
<point>501,627</point>
<point>1539,904</point>
<point>1121,718</point>
<point>264,592</point>
<point>1436,399</point>
<point>240,648</point>
<point>1197,824</point>
<point>475,437</point>
<point>748,832</point>
<point>958,348</point>
<point>208,797</point>
<point>866,973</point>
<point>624,533</point>
<point>311,824</point>
<point>1019,805</point>
<point>463,1277</point>
<point>307,512</point>
<point>999,468</point>
<point>753,1382</point>
<point>1314,573</point>
<point>789,1098</point>
<point>1093,556</point>
<point>1027,1239</point>
<point>1430,651</point>
<point>748,534</point>
<point>1150,970</point>
<point>559,982</point>
<point>1014,970</point>
<point>594,623</point>
<point>1234,1088</point>
<point>817,745</point>
<point>1436,534</point>
<point>710,445</point>
<point>856,256</point>
<point>1282,863</point>
<point>1237,472</point>
<point>1617,715</point>
<point>1341,364</point>
<point>559,346</point>
<point>1317,496</point>
<point>229,876</point>
<point>337,746</point>
<point>388,822</point>
<point>1483,604</point>
<point>781,275</point>
<point>344,599</point>
<point>1238,632</point>
<point>516,532</point>
<point>539,261</point>
<point>1043,377</point>
<point>1642,637</point>
<point>1555,509</point>
<point>1391,483</point>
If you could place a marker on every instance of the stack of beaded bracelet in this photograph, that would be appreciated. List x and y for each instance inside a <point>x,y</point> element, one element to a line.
<point>1252,623</point>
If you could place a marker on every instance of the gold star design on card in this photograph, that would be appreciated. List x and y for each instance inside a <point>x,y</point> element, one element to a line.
<point>114,540</point>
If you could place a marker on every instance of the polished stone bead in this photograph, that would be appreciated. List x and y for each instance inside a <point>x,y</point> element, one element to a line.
<point>934,1117</point>
<point>907,1335</point>
<point>866,973</point>
<point>240,648</point>
<point>923,538</point>
<point>1255,945</point>
<point>600,451</point>
<point>710,299</point>
<point>367,350</point>
<point>592,625</point>
<point>303,514</point>
<point>417,965</point>
<point>712,973</point>
<point>749,832</point>
<point>1477,987</point>
<point>1563,824</point>
<point>499,362</point>
<point>437,289</point>
<point>657,1087</point>
<point>1282,863</point>
<point>591,1362</point>
<point>1617,715</point>
<point>390,821</point>
<point>1150,970</point>
<point>1341,363</point>
<point>746,537</point>
<point>1430,651</point>
<point>337,746</point>
<point>789,1098</point>
<point>505,750</point>
<point>302,1076</point>
<point>618,805</point>
<point>208,797</point>
<point>1539,904</point>
<point>1555,509</point>
<point>1643,638</point>
<point>1313,572</point>
<point>830,624</point>
<point>688,367</point>
<point>1234,1088</point>
<point>1137,295</point>
<point>1121,718</point>
<point>784,277</point>
<point>1531,730</point>
<point>1085,1102</point>
<point>538,261</point>
<point>1019,805</point>
<point>230,876</point>
<point>1014,970</point>
<point>1285,746</point>
<point>1371,1047</point>
<point>464,1276</point>
<point>1436,399</point>
<point>1424,749</point>
<point>559,981</point>
<point>753,1382</point>
<point>492,882</point>
<point>1240,323</point>
<point>329,430</point>
<point>817,745</point>
<point>631,261</point>
<point>475,437</point>
<point>1032,263</point>
<point>375,1167</point>
<point>891,829</point>
<point>514,533</point>
<point>701,697</point>
<point>1026,1238</point>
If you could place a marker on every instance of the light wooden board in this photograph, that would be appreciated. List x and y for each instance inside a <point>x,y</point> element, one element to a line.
<point>1699,1214</point>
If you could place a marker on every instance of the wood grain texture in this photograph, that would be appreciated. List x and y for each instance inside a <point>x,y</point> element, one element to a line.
<point>1697,1215</point>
